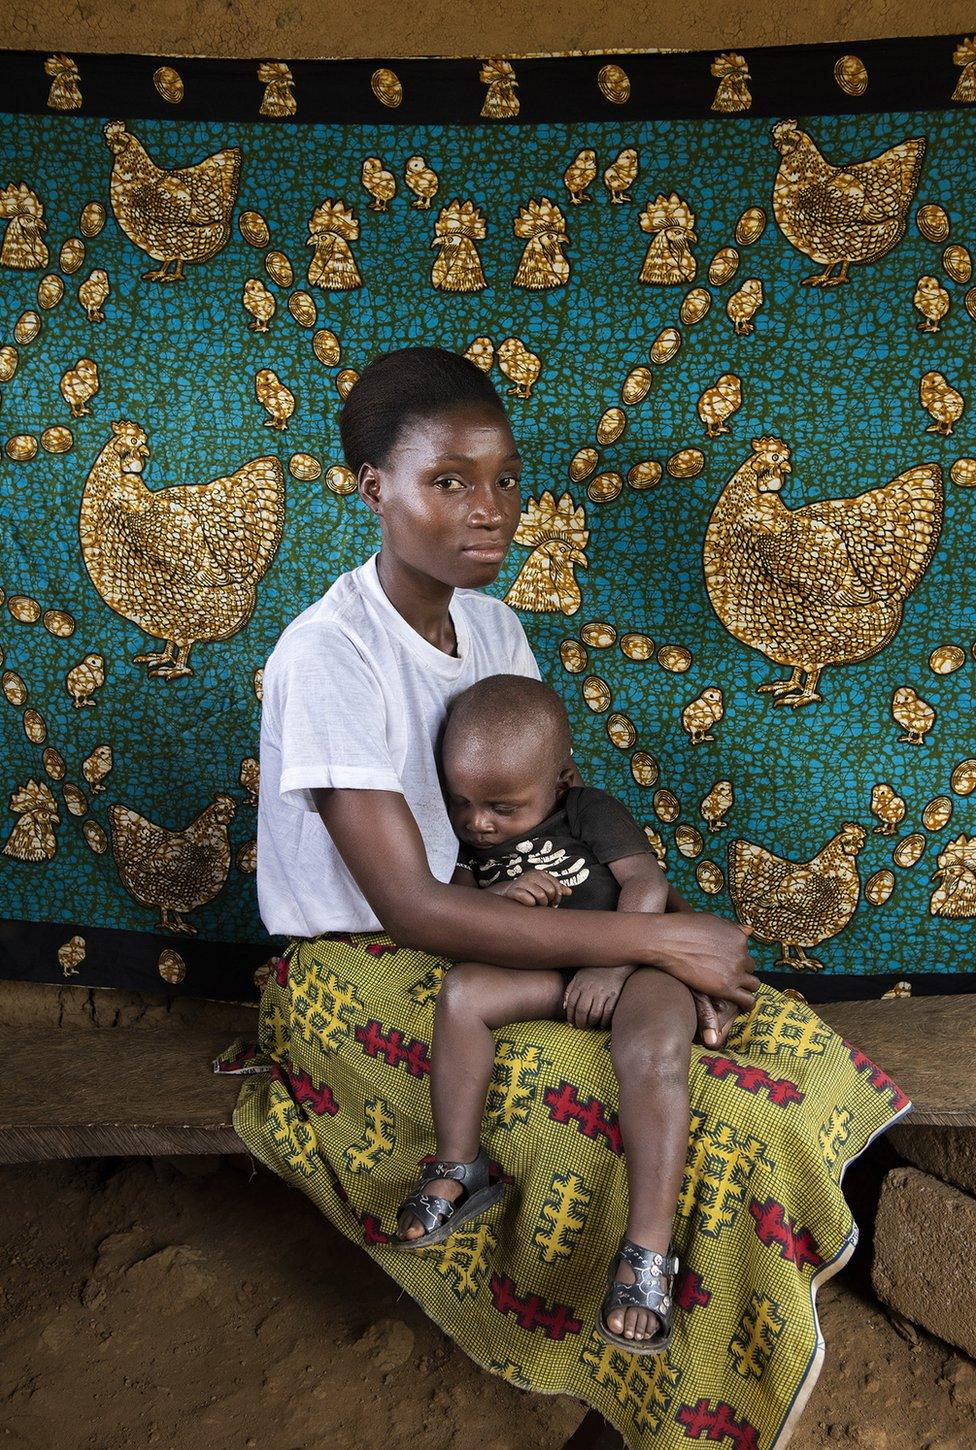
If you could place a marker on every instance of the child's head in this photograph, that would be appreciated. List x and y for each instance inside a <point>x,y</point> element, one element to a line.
<point>506,755</point>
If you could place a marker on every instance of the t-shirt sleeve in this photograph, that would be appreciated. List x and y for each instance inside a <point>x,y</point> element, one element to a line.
<point>607,826</point>
<point>329,714</point>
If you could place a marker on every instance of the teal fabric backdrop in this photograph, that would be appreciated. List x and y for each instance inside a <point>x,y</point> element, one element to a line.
<point>836,816</point>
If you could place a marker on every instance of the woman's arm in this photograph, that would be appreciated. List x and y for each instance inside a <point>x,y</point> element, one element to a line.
<point>380,843</point>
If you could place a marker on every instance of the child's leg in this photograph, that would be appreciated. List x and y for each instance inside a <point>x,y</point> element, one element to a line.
<point>653,1026</point>
<point>473,999</point>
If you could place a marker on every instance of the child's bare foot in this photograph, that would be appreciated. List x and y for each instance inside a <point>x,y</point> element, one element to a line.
<point>631,1323</point>
<point>409,1226</point>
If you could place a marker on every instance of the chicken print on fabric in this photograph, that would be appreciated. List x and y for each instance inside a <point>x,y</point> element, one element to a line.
<point>183,563</point>
<point>820,585</point>
<point>743,553</point>
<point>176,216</point>
<point>837,215</point>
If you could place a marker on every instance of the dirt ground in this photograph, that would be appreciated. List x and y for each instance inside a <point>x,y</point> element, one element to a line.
<point>195,1303</point>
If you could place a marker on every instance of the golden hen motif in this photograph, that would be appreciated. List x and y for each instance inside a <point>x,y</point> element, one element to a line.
<point>669,259</point>
<point>173,871</point>
<point>177,216</point>
<point>183,563</point>
<point>557,536</point>
<point>820,585</point>
<point>797,904</point>
<point>839,215</point>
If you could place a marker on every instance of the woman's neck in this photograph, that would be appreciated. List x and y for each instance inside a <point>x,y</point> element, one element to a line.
<point>422,601</point>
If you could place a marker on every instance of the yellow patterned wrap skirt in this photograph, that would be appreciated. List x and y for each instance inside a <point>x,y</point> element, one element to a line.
<point>335,1100</point>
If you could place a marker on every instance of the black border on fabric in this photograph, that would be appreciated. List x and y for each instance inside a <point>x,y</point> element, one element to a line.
<point>224,971</point>
<point>220,970</point>
<point>904,74</point>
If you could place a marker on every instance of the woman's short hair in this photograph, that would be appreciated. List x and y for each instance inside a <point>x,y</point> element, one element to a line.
<point>399,387</point>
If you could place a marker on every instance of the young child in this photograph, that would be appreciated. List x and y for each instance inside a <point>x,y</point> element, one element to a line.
<point>528,833</point>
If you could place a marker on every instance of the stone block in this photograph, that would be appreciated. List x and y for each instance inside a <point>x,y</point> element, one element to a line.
<point>946,1153</point>
<point>924,1251</point>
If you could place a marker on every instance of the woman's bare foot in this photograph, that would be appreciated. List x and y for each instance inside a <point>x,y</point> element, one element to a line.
<point>410,1226</point>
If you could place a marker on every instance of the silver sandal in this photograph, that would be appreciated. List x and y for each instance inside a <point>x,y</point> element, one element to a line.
<point>442,1217</point>
<point>651,1289</point>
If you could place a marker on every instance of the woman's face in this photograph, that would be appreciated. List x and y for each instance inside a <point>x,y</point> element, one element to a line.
<point>449,495</point>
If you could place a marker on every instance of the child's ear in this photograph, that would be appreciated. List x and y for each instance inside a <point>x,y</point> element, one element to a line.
<point>566,776</point>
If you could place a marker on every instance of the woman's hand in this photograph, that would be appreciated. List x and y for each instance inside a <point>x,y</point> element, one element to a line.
<point>715,1018</point>
<point>532,888</point>
<point>592,995</point>
<point>709,954</point>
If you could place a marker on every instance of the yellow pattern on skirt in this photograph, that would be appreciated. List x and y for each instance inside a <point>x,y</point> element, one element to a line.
<point>336,1102</point>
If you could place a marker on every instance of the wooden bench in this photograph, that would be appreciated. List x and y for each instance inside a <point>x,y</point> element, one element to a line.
<point>102,1092</point>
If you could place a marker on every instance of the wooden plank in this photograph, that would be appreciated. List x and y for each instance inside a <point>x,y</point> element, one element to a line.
<point>78,1093</point>
<point>927,1044</point>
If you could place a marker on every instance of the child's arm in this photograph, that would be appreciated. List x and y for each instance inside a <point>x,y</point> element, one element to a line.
<point>591,996</point>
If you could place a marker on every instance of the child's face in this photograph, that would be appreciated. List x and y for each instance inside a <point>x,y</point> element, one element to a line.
<point>492,801</point>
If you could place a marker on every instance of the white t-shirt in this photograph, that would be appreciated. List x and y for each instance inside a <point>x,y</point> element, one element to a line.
<point>354,697</point>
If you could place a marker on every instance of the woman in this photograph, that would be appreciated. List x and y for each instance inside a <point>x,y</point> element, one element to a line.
<point>355,856</point>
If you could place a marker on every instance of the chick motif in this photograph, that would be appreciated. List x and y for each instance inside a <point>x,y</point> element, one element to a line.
<point>519,365</point>
<point>542,263</point>
<point>173,871</point>
<point>717,804</point>
<point>71,955</point>
<point>579,175</point>
<point>621,174</point>
<point>279,96</point>
<point>932,301</point>
<point>501,102</point>
<point>941,401</point>
<point>701,714</point>
<point>331,227</point>
<point>915,715</point>
<point>955,895</point>
<point>92,294</point>
<point>79,385</point>
<point>743,305</point>
<point>481,352</point>
<point>717,404</point>
<point>669,259</point>
<point>277,400</point>
<point>250,777</point>
<point>33,838</point>
<point>797,904</point>
<point>380,184</point>
<point>84,679</point>
<point>888,807</point>
<point>820,585</point>
<point>175,216</point>
<point>837,215</point>
<point>259,303</point>
<point>97,766</point>
<point>557,536</point>
<point>422,181</point>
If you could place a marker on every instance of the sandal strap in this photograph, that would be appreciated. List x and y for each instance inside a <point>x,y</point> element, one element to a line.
<point>431,1209</point>
<point>473,1175</point>
<point>651,1289</point>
